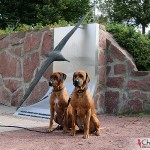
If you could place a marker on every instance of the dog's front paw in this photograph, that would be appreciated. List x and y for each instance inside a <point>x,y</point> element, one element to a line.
<point>85,136</point>
<point>72,133</point>
<point>49,129</point>
<point>97,133</point>
<point>65,130</point>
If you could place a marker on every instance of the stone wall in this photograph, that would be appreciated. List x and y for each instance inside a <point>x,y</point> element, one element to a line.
<point>121,87</point>
<point>21,55</point>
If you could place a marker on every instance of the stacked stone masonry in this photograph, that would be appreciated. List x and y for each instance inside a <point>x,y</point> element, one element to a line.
<point>21,56</point>
<point>120,86</point>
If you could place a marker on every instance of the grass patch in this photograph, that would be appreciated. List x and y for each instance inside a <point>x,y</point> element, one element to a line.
<point>137,114</point>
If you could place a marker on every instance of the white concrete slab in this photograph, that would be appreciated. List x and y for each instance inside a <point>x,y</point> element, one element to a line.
<point>81,49</point>
<point>8,119</point>
<point>42,109</point>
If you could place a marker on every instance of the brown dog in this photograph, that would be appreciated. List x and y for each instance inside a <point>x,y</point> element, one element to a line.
<point>83,110</point>
<point>58,101</point>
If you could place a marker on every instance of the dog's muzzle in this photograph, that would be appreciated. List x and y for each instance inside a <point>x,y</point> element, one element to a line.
<point>52,84</point>
<point>77,83</point>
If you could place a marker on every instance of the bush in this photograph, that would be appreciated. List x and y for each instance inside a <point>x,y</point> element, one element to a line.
<point>25,27</point>
<point>2,31</point>
<point>9,29</point>
<point>138,45</point>
<point>61,23</point>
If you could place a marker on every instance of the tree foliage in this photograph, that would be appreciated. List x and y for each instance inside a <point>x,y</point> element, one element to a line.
<point>137,44</point>
<point>132,11</point>
<point>14,12</point>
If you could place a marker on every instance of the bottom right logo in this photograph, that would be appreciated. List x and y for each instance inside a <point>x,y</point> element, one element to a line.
<point>144,143</point>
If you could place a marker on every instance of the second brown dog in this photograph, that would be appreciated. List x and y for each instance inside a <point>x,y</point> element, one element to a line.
<point>83,110</point>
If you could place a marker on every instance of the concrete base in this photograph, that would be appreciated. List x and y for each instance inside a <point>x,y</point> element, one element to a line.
<point>42,109</point>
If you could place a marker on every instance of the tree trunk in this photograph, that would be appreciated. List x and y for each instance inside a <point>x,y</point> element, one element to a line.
<point>143,29</point>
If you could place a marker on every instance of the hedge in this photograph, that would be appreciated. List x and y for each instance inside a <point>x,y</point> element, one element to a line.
<point>137,44</point>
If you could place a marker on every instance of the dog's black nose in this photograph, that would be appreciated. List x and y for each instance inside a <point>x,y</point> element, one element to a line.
<point>50,83</point>
<point>77,83</point>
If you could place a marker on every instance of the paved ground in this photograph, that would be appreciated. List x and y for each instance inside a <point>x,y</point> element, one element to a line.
<point>7,118</point>
<point>117,133</point>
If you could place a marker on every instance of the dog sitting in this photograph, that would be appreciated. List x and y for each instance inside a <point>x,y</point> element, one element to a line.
<point>83,110</point>
<point>59,101</point>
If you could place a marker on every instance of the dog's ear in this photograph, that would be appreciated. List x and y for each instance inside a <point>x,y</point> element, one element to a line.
<point>73,77</point>
<point>49,82</point>
<point>87,78</point>
<point>62,77</point>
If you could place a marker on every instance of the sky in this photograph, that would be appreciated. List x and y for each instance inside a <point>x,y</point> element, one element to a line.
<point>139,28</point>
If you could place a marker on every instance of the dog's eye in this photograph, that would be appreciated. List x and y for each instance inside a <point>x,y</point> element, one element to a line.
<point>55,77</point>
<point>75,76</point>
<point>80,75</point>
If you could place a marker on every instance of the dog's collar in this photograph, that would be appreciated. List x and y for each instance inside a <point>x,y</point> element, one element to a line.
<point>58,89</point>
<point>81,91</point>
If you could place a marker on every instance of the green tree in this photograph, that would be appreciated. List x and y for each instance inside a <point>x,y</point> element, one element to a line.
<point>68,10</point>
<point>14,12</point>
<point>135,12</point>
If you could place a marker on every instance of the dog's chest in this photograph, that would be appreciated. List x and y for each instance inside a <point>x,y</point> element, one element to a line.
<point>56,105</point>
<point>81,112</point>
<point>56,101</point>
<point>82,105</point>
